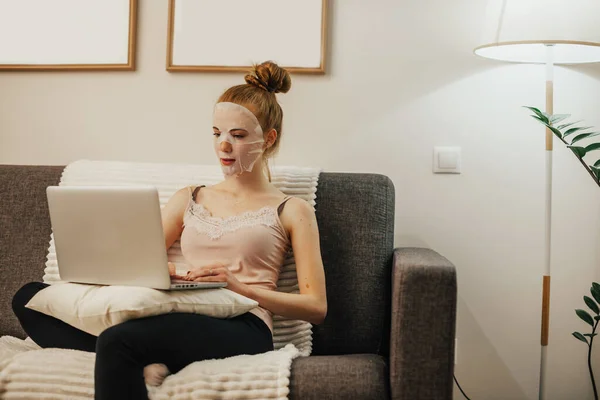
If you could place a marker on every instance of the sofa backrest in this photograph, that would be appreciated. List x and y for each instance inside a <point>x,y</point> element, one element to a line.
<point>355,213</point>
<point>24,233</point>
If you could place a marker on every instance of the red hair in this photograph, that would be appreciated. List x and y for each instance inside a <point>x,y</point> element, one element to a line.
<point>258,95</point>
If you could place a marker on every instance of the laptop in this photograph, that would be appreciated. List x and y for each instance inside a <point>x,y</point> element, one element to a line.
<point>112,235</point>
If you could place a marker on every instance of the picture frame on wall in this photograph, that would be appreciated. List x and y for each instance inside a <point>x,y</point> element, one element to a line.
<point>233,35</point>
<point>55,35</point>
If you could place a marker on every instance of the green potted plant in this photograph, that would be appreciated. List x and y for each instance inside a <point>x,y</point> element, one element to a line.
<point>571,135</point>
<point>593,322</point>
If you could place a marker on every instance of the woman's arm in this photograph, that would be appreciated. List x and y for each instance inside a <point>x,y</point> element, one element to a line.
<point>310,305</point>
<point>290,305</point>
<point>172,216</point>
<point>172,222</point>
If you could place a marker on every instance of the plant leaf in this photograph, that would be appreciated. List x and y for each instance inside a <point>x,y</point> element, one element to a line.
<point>540,119</point>
<point>580,337</point>
<point>597,317</point>
<point>592,147</point>
<point>590,334</point>
<point>538,113</point>
<point>585,316</point>
<point>591,304</point>
<point>555,131</point>
<point>535,110</point>
<point>573,130</point>
<point>583,136</point>
<point>558,117</point>
<point>595,291</point>
<point>597,163</point>
<point>561,127</point>
<point>579,151</point>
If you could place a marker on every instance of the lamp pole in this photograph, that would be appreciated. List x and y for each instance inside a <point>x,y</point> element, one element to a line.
<point>548,222</point>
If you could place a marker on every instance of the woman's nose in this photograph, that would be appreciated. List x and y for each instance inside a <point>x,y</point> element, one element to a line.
<point>225,147</point>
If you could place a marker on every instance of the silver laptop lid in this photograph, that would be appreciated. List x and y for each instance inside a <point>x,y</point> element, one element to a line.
<point>109,235</point>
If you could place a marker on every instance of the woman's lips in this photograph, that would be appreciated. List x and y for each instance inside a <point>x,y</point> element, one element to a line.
<point>227,161</point>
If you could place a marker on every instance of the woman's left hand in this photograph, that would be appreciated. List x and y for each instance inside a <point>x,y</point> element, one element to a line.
<point>218,272</point>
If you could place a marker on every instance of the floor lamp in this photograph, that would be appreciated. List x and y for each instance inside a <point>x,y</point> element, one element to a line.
<point>543,32</point>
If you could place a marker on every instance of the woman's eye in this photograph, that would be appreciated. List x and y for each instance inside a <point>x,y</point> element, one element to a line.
<point>217,134</point>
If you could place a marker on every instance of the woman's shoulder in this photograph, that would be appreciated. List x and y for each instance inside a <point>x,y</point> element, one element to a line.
<point>176,206</point>
<point>181,194</point>
<point>184,196</point>
<point>296,211</point>
<point>299,206</point>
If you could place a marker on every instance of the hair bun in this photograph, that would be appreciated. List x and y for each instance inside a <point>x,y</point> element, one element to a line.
<point>270,77</point>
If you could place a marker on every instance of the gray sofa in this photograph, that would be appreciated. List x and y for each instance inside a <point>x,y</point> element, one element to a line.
<point>390,328</point>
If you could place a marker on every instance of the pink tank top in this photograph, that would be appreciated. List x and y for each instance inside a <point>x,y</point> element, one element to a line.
<point>254,242</point>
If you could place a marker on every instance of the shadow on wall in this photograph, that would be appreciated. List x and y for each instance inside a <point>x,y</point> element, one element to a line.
<point>410,241</point>
<point>481,372</point>
<point>590,70</point>
<point>376,69</point>
<point>395,88</point>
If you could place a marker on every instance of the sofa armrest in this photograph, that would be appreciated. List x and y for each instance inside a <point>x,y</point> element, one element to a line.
<point>423,324</point>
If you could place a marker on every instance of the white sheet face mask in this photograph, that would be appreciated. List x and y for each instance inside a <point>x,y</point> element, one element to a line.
<point>239,127</point>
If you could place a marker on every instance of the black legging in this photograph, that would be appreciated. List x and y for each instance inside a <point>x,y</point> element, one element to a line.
<point>122,351</point>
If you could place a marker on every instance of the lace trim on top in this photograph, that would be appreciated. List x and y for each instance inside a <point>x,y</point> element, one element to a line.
<point>215,227</point>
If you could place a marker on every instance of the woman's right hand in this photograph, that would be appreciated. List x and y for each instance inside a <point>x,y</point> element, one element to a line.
<point>173,272</point>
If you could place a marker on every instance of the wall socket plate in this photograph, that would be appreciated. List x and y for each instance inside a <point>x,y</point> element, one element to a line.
<point>446,159</point>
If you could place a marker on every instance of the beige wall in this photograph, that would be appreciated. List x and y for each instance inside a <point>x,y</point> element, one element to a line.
<point>401,79</point>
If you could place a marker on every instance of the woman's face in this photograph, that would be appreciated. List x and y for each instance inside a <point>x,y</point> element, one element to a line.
<point>238,139</point>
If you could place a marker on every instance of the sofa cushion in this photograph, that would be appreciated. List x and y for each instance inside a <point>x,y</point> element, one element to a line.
<point>355,213</point>
<point>356,376</point>
<point>24,233</point>
<point>95,308</point>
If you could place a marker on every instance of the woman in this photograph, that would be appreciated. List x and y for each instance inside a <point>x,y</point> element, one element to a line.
<point>237,231</point>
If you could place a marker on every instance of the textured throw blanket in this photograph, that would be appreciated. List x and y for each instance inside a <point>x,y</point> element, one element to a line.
<point>25,369</point>
<point>28,372</point>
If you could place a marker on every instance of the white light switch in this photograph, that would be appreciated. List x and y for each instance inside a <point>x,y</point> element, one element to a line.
<point>446,160</point>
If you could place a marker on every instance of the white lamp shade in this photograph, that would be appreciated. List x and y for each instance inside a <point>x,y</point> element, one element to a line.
<point>519,30</point>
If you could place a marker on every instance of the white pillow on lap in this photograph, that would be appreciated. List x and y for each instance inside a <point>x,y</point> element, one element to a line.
<point>92,308</point>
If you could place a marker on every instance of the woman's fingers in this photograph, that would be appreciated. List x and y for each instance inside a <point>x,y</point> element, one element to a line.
<point>211,278</point>
<point>172,269</point>
<point>204,271</point>
<point>195,273</point>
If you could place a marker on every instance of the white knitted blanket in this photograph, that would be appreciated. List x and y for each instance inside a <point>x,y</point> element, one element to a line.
<point>248,377</point>
<point>28,372</point>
